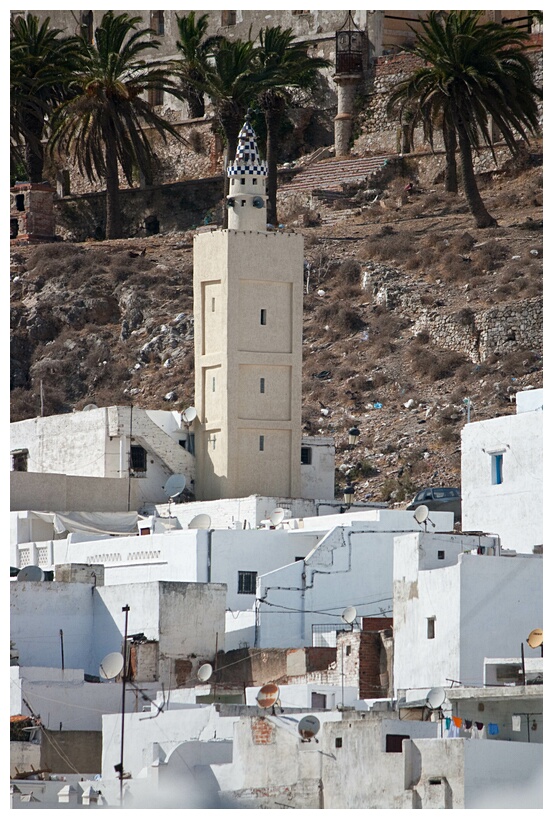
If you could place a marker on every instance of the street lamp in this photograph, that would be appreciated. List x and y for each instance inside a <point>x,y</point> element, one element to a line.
<point>348,495</point>
<point>353,436</point>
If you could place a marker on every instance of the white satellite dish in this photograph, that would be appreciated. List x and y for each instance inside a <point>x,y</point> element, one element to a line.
<point>308,727</point>
<point>200,522</point>
<point>34,573</point>
<point>189,414</point>
<point>348,615</point>
<point>267,695</point>
<point>435,698</point>
<point>277,516</point>
<point>111,666</point>
<point>421,513</point>
<point>174,485</point>
<point>204,672</point>
<point>90,407</point>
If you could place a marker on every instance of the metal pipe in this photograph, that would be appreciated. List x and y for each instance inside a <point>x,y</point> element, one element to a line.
<point>126,610</point>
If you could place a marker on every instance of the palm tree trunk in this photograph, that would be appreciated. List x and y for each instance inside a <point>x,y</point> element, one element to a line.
<point>476,206</point>
<point>273,114</point>
<point>450,144</point>
<point>113,211</point>
<point>34,152</point>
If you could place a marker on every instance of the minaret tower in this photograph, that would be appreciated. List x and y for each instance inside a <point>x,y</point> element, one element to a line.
<point>248,290</point>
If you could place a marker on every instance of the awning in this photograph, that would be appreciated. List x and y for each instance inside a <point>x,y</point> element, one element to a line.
<point>106,523</point>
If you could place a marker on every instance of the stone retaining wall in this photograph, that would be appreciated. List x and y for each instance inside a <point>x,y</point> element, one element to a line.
<point>480,333</point>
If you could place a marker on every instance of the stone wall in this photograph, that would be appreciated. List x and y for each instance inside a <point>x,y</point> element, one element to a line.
<point>479,333</point>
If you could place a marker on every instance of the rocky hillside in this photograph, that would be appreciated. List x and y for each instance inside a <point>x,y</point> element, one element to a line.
<point>408,311</point>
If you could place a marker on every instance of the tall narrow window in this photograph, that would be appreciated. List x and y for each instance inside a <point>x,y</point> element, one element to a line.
<point>497,467</point>
<point>246,582</point>
<point>262,443</point>
<point>430,628</point>
<point>155,96</point>
<point>212,305</point>
<point>157,21</point>
<point>263,319</point>
<point>261,385</point>
<point>213,384</point>
<point>19,460</point>
<point>228,18</point>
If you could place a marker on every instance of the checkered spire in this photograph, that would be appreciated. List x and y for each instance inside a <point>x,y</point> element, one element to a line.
<point>247,161</point>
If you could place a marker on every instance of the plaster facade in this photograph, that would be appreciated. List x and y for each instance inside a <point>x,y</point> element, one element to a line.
<point>502,475</point>
<point>143,446</point>
<point>458,609</point>
<point>185,619</point>
<point>351,565</point>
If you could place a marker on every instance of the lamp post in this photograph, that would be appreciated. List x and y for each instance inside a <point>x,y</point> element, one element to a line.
<point>348,495</point>
<point>119,768</point>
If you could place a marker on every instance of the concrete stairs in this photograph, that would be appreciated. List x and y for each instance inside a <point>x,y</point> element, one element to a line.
<point>329,174</point>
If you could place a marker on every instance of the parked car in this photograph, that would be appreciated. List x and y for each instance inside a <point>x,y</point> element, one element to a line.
<point>439,499</point>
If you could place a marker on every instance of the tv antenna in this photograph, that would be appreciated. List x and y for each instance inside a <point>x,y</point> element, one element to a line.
<point>267,696</point>
<point>33,573</point>
<point>200,522</point>
<point>189,415</point>
<point>277,516</point>
<point>111,666</point>
<point>421,516</point>
<point>349,615</point>
<point>308,728</point>
<point>204,672</point>
<point>174,486</point>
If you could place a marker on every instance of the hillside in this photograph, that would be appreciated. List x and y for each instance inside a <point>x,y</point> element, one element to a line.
<point>385,281</point>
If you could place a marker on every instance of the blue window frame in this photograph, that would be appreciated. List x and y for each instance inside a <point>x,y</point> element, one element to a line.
<point>497,468</point>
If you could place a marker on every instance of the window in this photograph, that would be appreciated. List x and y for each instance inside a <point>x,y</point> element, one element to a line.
<point>242,181</point>
<point>261,385</point>
<point>441,554</point>
<point>318,700</point>
<point>212,305</point>
<point>262,443</point>
<point>228,18</point>
<point>497,468</point>
<point>20,201</point>
<point>188,443</point>
<point>138,458</point>
<point>338,742</point>
<point>157,21</point>
<point>348,651</point>
<point>213,384</point>
<point>430,628</point>
<point>263,318</point>
<point>155,96</point>
<point>254,180</point>
<point>306,455</point>
<point>246,582</point>
<point>19,460</point>
<point>394,743</point>
<point>242,202</point>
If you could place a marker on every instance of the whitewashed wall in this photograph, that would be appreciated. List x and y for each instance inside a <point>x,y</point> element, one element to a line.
<point>481,605</point>
<point>513,509</point>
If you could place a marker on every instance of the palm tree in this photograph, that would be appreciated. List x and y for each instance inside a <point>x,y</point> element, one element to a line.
<point>191,67</point>
<point>472,72</point>
<point>232,81</point>
<point>41,65</point>
<point>105,125</point>
<point>285,64</point>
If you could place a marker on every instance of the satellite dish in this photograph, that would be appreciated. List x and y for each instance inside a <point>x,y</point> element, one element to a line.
<point>111,665</point>
<point>309,727</point>
<point>349,615</point>
<point>200,522</point>
<point>435,698</point>
<point>535,638</point>
<point>174,486</point>
<point>204,672</point>
<point>189,414</point>
<point>90,407</point>
<point>31,573</point>
<point>267,695</point>
<point>277,516</point>
<point>421,513</point>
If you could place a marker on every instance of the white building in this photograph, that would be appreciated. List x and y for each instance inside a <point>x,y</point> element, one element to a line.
<point>302,603</point>
<point>181,623</point>
<point>502,477</point>
<point>458,606</point>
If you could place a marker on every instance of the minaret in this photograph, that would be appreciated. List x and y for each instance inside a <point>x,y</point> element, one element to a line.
<point>248,291</point>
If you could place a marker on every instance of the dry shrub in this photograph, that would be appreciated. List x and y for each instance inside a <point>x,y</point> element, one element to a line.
<point>391,246</point>
<point>490,256</point>
<point>341,317</point>
<point>462,242</point>
<point>435,364</point>
<point>349,271</point>
<point>454,268</point>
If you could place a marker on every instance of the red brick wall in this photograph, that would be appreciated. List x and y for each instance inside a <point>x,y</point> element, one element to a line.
<point>262,731</point>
